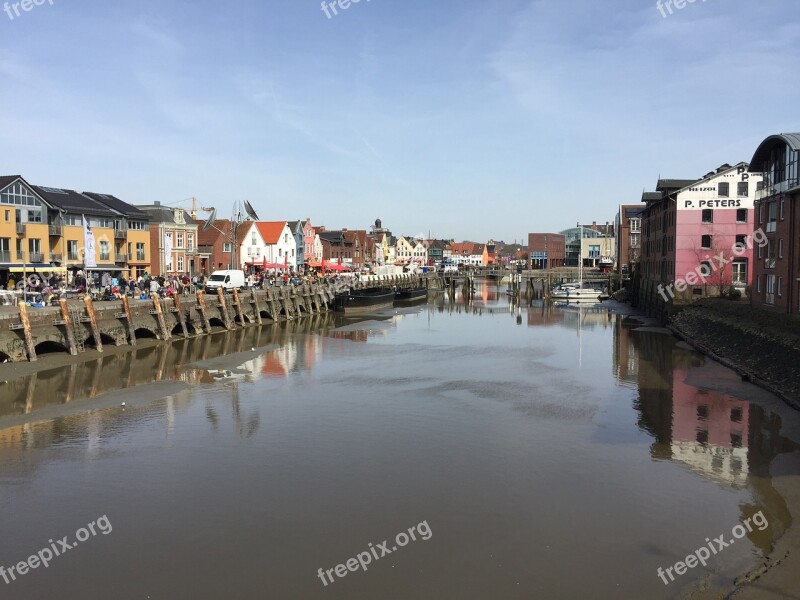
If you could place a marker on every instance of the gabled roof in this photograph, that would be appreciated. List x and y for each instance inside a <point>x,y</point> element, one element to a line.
<point>651,196</point>
<point>271,230</point>
<point>221,227</point>
<point>118,205</point>
<point>164,214</point>
<point>669,185</point>
<point>73,202</point>
<point>333,237</point>
<point>6,180</point>
<point>467,248</point>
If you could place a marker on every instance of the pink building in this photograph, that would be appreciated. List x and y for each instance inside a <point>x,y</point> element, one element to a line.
<point>308,240</point>
<point>698,235</point>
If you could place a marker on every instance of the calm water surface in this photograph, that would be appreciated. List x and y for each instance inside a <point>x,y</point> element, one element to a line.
<point>552,453</point>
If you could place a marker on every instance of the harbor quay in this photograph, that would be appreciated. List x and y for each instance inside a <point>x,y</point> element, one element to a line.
<point>74,324</point>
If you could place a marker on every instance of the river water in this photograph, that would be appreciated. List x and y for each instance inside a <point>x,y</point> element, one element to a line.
<point>538,452</point>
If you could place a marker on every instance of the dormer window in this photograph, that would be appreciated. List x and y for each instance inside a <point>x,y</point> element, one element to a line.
<point>178,215</point>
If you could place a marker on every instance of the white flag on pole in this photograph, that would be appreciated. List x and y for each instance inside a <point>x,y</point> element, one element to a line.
<point>89,260</point>
<point>168,251</point>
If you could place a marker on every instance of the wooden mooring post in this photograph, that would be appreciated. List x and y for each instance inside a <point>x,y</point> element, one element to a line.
<point>69,333</point>
<point>87,301</point>
<point>201,305</point>
<point>126,307</point>
<point>26,331</point>
<point>159,314</point>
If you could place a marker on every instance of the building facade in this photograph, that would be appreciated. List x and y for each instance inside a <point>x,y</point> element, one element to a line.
<point>776,273</point>
<point>698,237</point>
<point>173,239</point>
<point>42,230</point>
<point>547,250</point>
<point>628,237</point>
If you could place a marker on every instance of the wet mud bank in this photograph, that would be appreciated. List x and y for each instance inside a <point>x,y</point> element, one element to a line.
<point>763,348</point>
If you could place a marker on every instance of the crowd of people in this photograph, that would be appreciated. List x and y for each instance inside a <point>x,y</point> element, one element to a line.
<point>44,289</point>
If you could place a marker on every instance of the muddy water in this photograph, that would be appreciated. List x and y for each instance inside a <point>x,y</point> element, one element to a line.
<point>544,452</point>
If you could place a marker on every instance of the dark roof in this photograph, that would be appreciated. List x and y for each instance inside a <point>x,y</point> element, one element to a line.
<point>293,225</point>
<point>673,184</point>
<point>72,201</point>
<point>651,196</point>
<point>118,205</point>
<point>6,180</point>
<point>633,211</point>
<point>762,152</point>
<point>164,214</point>
<point>336,237</point>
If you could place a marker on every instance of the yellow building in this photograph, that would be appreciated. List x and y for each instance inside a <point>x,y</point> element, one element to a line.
<point>42,231</point>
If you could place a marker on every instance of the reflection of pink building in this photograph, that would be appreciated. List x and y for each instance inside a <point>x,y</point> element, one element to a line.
<point>709,431</point>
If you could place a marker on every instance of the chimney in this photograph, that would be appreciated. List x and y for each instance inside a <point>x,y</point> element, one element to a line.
<point>157,203</point>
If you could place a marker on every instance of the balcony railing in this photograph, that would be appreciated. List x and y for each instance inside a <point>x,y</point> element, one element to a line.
<point>21,227</point>
<point>55,229</point>
<point>5,256</point>
<point>140,256</point>
<point>105,256</point>
<point>121,258</point>
<point>37,257</point>
<point>120,234</point>
<point>56,257</point>
<point>72,256</point>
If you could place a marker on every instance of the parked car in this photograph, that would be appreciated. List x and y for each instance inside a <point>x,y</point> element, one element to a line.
<point>228,280</point>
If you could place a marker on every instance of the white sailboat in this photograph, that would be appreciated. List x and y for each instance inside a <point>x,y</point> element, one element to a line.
<point>576,292</point>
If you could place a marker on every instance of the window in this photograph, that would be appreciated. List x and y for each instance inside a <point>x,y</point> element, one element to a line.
<point>140,251</point>
<point>253,239</point>
<point>741,215</point>
<point>742,189</point>
<point>18,195</point>
<point>739,271</point>
<point>35,250</point>
<point>708,215</point>
<point>226,247</point>
<point>180,240</point>
<point>723,190</point>
<point>706,269</point>
<point>769,262</point>
<point>20,253</point>
<point>104,250</point>
<point>772,284</point>
<point>741,241</point>
<point>705,242</point>
<point>636,225</point>
<point>772,217</point>
<point>72,250</point>
<point>180,263</point>
<point>759,185</point>
<point>736,415</point>
<point>780,248</point>
<point>782,209</point>
<point>190,241</point>
<point>8,216</point>
<point>780,285</point>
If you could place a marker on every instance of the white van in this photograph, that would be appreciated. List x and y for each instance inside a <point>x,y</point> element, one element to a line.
<point>227,280</point>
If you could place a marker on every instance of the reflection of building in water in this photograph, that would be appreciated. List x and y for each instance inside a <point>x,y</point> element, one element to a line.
<point>626,356</point>
<point>710,432</point>
<point>715,434</point>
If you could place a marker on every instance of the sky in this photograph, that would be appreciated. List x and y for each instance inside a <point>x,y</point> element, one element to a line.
<point>468,120</point>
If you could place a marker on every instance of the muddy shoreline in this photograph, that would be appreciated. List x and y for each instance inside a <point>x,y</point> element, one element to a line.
<point>763,349</point>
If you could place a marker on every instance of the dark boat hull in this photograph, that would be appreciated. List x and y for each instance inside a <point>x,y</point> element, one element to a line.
<point>412,295</point>
<point>364,302</point>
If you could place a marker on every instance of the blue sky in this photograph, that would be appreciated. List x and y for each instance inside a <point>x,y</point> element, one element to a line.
<point>469,119</point>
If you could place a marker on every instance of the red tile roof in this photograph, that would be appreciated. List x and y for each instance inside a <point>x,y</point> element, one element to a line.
<point>271,230</point>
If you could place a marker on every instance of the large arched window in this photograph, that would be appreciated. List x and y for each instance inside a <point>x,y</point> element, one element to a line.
<point>18,195</point>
